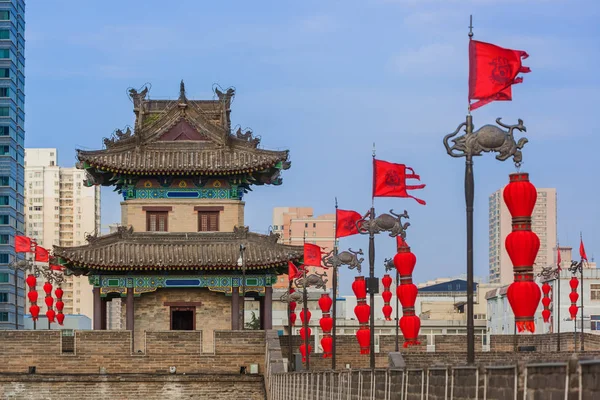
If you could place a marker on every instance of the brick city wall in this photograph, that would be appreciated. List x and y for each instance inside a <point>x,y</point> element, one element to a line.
<point>111,350</point>
<point>449,350</point>
<point>182,217</point>
<point>132,386</point>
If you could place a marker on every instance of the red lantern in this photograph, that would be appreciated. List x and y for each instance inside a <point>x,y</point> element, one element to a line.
<point>524,297</point>
<point>293,319</point>
<point>303,335</point>
<point>60,305</point>
<point>410,326</point>
<point>49,301</point>
<point>364,339</point>
<point>405,261</point>
<point>293,306</point>
<point>308,314</point>
<point>546,288</point>
<point>303,351</point>
<point>574,283</point>
<point>546,315</point>
<point>573,310</point>
<point>520,195</point>
<point>32,296</point>
<point>50,314</point>
<point>546,302</point>
<point>34,310</point>
<point>326,324</point>
<point>60,317</point>
<point>48,288</point>
<point>386,281</point>
<point>522,248</point>
<point>30,281</point>
<point>387,296</point>
<point>573,296</point>
<point>325,303</point>
<point>327,345</point>
<point>362,312</point>
<point>58,293</point>
<point>387,312</point>
<point>407,294</point>
<point>359,287</point>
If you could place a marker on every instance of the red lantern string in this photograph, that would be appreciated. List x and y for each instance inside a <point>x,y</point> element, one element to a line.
<point>387,296</point>
<point>60,317</point>
<point>522,245</point>
<point>546,300</point>
<point>49,302</point>
<point>305,315</point>
<point>32,295</point>
<point>574,296</point>
<point>362,312</point>
<point>292,306</point>
<point>326,323</point>
<point>406,291</point>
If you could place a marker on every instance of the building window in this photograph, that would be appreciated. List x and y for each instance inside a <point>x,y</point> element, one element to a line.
<point>3,277</point>
<point>4,239</point>
<point>208,221</point>
<point>4,131</point>
<point>157,221</point>
<point>306,225</point>
<point>595,292</point>
<point>314,225</point>
<point>3,258</point>
<point>4,72</point>
<point>3,297</point>
<point>4,219</point>
<point>4,53</point>
<point>595,320</point>
<point>4,316</point>
<point>4,150</point>
<point>4,15</point>
<point>4,34</point>
<point>4,180</point>
<point>4,92</point>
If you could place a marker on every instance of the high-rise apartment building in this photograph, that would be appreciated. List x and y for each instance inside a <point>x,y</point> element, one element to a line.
<point>543,222</point>
<point>61,211</point>
<point>297,225</point>
<point>12,138</point>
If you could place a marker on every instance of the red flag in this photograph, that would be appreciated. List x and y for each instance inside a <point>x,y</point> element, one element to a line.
<point>582,250</point>
<point>41,254</point>
<point>292,271</point>
<point>22,244</point>
<point>558,258</point>
<point>389,180</point>
<point>492,71</point>
<point>312,255</point>
<point>345,224</point>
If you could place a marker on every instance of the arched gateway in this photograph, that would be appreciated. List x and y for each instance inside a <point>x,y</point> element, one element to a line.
<point>176,257</point>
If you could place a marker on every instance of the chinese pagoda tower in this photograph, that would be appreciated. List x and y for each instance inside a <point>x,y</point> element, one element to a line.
<point>182,252</point>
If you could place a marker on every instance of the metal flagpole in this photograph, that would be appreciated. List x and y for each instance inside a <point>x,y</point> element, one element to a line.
<point>371,284</point>
<point>335,272</point>
<point>290,347</point>
<point>582,292</point>
<point>397,309</point>
<point>304,312</point>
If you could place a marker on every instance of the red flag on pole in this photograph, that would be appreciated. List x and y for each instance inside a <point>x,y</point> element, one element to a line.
<point>41,254</point>
<point>346,223</point>
<point>312,255</point>
<point>389,180</point>
<point>582,249</point>
<point>292,271</point>
<point>22,244</point>
<point>492,71</point>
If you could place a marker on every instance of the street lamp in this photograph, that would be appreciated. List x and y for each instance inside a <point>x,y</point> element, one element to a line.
<point>241,262</point>
<point>546,274</point>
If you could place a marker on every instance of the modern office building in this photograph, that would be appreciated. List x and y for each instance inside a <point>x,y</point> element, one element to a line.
<point>543,224</point>
<point>298,225</point>
<point>12,138</point>
<point>61,211</point>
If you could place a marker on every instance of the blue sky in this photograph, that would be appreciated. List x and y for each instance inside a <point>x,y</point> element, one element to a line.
<point>326,79</point>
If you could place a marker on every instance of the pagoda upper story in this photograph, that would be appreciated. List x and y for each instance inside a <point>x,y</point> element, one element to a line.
<point>182,149</point>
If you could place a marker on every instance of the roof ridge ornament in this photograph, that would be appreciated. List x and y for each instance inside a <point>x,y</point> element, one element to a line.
<point>182,99</point>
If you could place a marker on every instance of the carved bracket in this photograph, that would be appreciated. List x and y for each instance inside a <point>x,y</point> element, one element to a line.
<point>384,223</point>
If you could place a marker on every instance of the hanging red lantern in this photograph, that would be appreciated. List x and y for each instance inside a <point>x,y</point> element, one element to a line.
<point>524,297</point>
<point>48,288</point>
<point>573,310</point>
<point>362,312</point>
<point>410,326</point>
<point>522,248</point>
<point>50,314</point>
<point>546,288</point>
<point>293,306</point>
<point>363,335</point>
<point>59,306</point>
<point>386,281</point>
<point>546,301</point>
<point>546,315</point>
<point>293,319</point>
<point>574,296</point>
<point>326,324</point>
<point>407,294</point>
<point>303,351</point>
<point>60,317</point>
<point>386,296</point>
<point>58,293</point>
<point>404,260</point>
<point>359,287</point>
<point>327,345</point>
<point>49,301</point>
<point>34,310</point>
<point>574,283</point>
<point>32,296</point>
<point>308,315</point>
<point>387,312</point>
<point>520,195</point>
<point>325,303</point>
<point>303,335</point>
<point>30,281</point>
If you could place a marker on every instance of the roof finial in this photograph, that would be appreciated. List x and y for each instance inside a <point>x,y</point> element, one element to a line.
<point>470,27</point>
<point>182,97</point>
